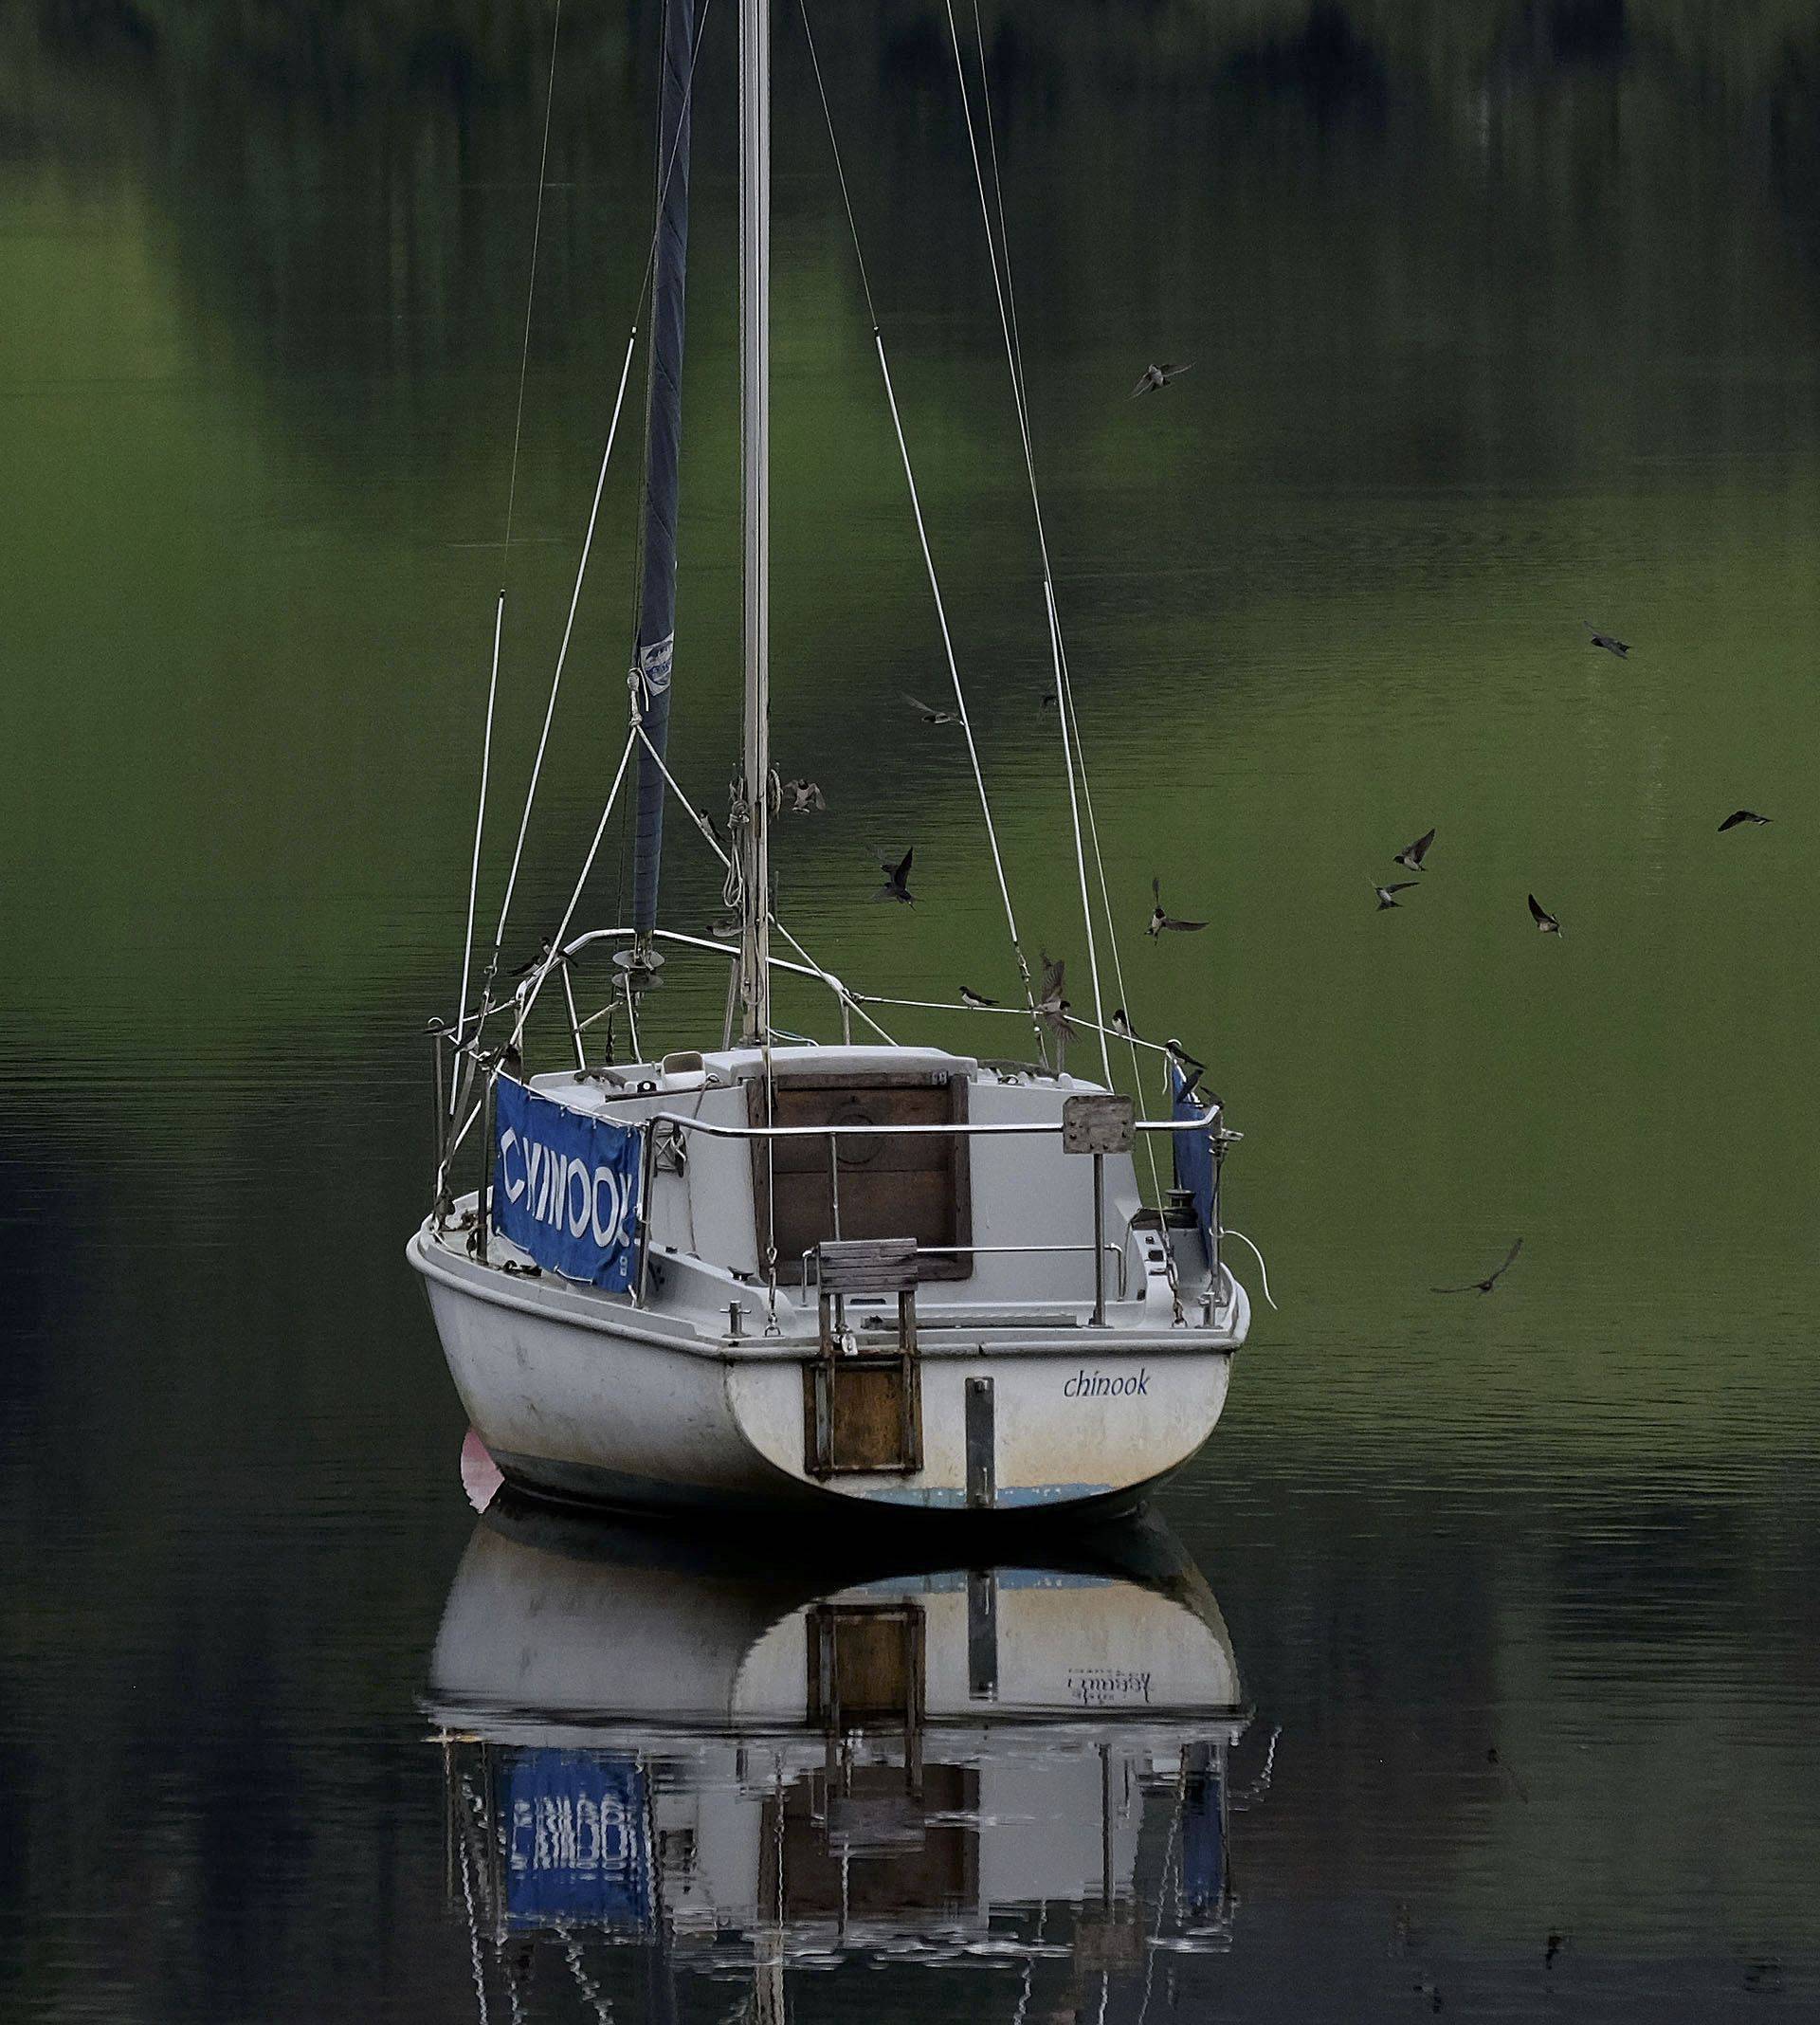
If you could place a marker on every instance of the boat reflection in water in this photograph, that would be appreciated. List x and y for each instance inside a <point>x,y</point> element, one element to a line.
<point>670,1762</point>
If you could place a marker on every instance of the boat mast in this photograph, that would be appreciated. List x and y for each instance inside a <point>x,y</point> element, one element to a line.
<point>663,446</point>
<point>754,393</point>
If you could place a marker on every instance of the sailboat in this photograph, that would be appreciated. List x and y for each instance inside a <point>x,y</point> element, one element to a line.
<point>764,1271</point>
<point>670,1759</point>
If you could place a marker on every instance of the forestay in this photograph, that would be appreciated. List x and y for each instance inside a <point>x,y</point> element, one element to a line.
<point>566,1188</point>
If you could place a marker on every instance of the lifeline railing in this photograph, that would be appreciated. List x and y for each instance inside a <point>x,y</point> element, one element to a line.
<point>1207,1122</point>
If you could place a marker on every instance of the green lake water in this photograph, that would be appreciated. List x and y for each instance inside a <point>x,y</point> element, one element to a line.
<point>1502,317</point>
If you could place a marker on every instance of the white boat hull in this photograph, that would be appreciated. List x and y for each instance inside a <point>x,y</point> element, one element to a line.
<point>602,1403</point>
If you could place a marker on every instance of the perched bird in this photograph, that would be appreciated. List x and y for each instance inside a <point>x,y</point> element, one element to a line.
<point>896,880</point>
<point>1120,1024</point>
<point>1741,816</point>
<point>1187,1068</point>
<point>804,795</point>
<point>1485,1286</point>
<point>1611,645</point>
<point>1542,918</point>
<point>928,712</point>
<point>1410,858</point>
<point>546,951</point>
<point>1159,376</point>
<point>1159,921</point>
<point>1555,1943</point>
<point>977,998</point>
<point>1385,892</point>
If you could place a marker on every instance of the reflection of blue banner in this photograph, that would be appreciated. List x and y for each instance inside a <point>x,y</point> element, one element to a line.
<point>575,1844</point>
<point>1204,1840</point>
<point>1194,1154</point>
<point>566,1188</point>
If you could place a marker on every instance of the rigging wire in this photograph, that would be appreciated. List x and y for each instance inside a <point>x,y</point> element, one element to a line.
<point>1000,286</point>
<point>568,632</point>
<point>537,978</point>
<point>916,508</point>
<point>531,287</point>
<point>479,824</point>
<point>638,304</point>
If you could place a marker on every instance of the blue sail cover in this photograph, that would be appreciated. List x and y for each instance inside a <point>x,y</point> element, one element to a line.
<point>566,1188</point>
<point>1194,1154</point>
<point>663,450</point>
<point>576,1843</point>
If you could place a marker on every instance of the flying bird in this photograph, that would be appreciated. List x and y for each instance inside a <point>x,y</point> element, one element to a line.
<point>1612,645</point>
<point>1159,921</point>
<point>897,876</point>
<point>1385,892</point>
<point>1542,918</point>
<point>1432,1991</point>
<point>804,795</point>
<point>1484,1286</point>
<point>1050,699</point>
<point>928,712</point>
<point>977,998</point>
<point>724,926</point>
<point>1411,856</point>
<point>1741,816</point>
<point>1159,376</point>
<point>1555,1943</point>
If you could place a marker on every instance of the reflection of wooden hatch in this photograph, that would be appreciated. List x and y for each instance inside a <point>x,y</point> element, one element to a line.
<point>863,1396</point>
<point>864,1186</point>
<point>870,1839</point>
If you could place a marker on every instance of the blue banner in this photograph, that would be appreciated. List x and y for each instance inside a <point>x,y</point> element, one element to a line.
<point>566,1188</point>
<point>576,1851</point>
<point>1194,1154</point>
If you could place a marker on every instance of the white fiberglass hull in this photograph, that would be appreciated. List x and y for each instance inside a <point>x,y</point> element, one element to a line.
<point>581,1400</point>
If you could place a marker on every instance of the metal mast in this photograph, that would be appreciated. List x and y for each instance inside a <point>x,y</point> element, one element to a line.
<point>754,403</point>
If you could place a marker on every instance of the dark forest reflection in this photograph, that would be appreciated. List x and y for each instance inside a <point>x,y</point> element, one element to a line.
<point>1503,317</point>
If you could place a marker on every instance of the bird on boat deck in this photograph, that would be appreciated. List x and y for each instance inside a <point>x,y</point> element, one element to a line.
<point>804,797</point>
<point>1385,893</point>
<point>1743,815</point>
<point>1544,920</point>
<point>1484,1286</point>
<point>978,999</point>
<point>1611,643</point>
<point>1159,921</point>
<point>896,878</point>
<point>1156,377</point>
<point>929,713</point>
<point>1411,857</point>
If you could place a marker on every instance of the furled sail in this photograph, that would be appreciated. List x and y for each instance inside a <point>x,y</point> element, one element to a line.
<point>656,644</point>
